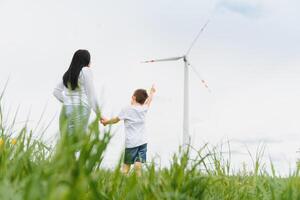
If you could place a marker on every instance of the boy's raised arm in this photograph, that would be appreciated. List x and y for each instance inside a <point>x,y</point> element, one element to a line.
<point>149,99</point>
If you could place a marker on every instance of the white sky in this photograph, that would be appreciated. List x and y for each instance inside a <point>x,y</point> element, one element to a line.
<point>248,54</point>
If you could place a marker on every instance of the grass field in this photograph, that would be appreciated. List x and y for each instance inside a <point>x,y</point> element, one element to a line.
<point>30,170</point>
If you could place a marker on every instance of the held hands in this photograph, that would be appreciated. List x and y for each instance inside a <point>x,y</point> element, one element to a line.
<point>109,121</point>
<point>104,121</point>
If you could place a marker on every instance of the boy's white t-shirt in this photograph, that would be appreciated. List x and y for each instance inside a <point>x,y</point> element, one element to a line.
<point>134,120</point>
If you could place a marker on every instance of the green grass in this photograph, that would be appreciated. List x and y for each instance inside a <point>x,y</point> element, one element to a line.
<point>30,170</point>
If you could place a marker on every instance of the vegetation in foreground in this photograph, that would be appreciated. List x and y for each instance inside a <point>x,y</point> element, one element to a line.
<point>30,170</point>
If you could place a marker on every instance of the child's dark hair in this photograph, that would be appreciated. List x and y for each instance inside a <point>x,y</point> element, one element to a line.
<point>140,95</point>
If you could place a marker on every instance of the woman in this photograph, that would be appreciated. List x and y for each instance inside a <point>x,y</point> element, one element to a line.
<point>76,92</point>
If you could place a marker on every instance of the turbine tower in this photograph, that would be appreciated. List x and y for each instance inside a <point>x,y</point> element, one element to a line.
<point>186,115</point>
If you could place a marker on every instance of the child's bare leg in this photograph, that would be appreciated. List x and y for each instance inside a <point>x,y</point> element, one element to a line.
<point>125,168</point>
<point>138,168</point>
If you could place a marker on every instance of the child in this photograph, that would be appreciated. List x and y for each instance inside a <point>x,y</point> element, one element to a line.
<point>135,133</point>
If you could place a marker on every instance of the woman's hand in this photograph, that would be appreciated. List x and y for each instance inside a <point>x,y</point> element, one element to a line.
<point>103,121</point>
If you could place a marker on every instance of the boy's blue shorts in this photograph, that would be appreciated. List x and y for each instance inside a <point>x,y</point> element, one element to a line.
<point>135,154</point>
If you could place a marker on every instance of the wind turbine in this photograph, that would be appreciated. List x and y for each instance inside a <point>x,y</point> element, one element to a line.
<point>186,120</point>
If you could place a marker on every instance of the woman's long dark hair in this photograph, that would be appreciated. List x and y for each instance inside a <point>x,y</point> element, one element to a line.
<point>80,59</point>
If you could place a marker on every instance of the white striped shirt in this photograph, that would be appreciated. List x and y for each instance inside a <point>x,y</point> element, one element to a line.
<point>84,94</point>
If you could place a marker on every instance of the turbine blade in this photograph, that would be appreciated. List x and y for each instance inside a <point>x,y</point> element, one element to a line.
<point>163,60</point>
<point>203,82</point>
<point>197,37</point>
